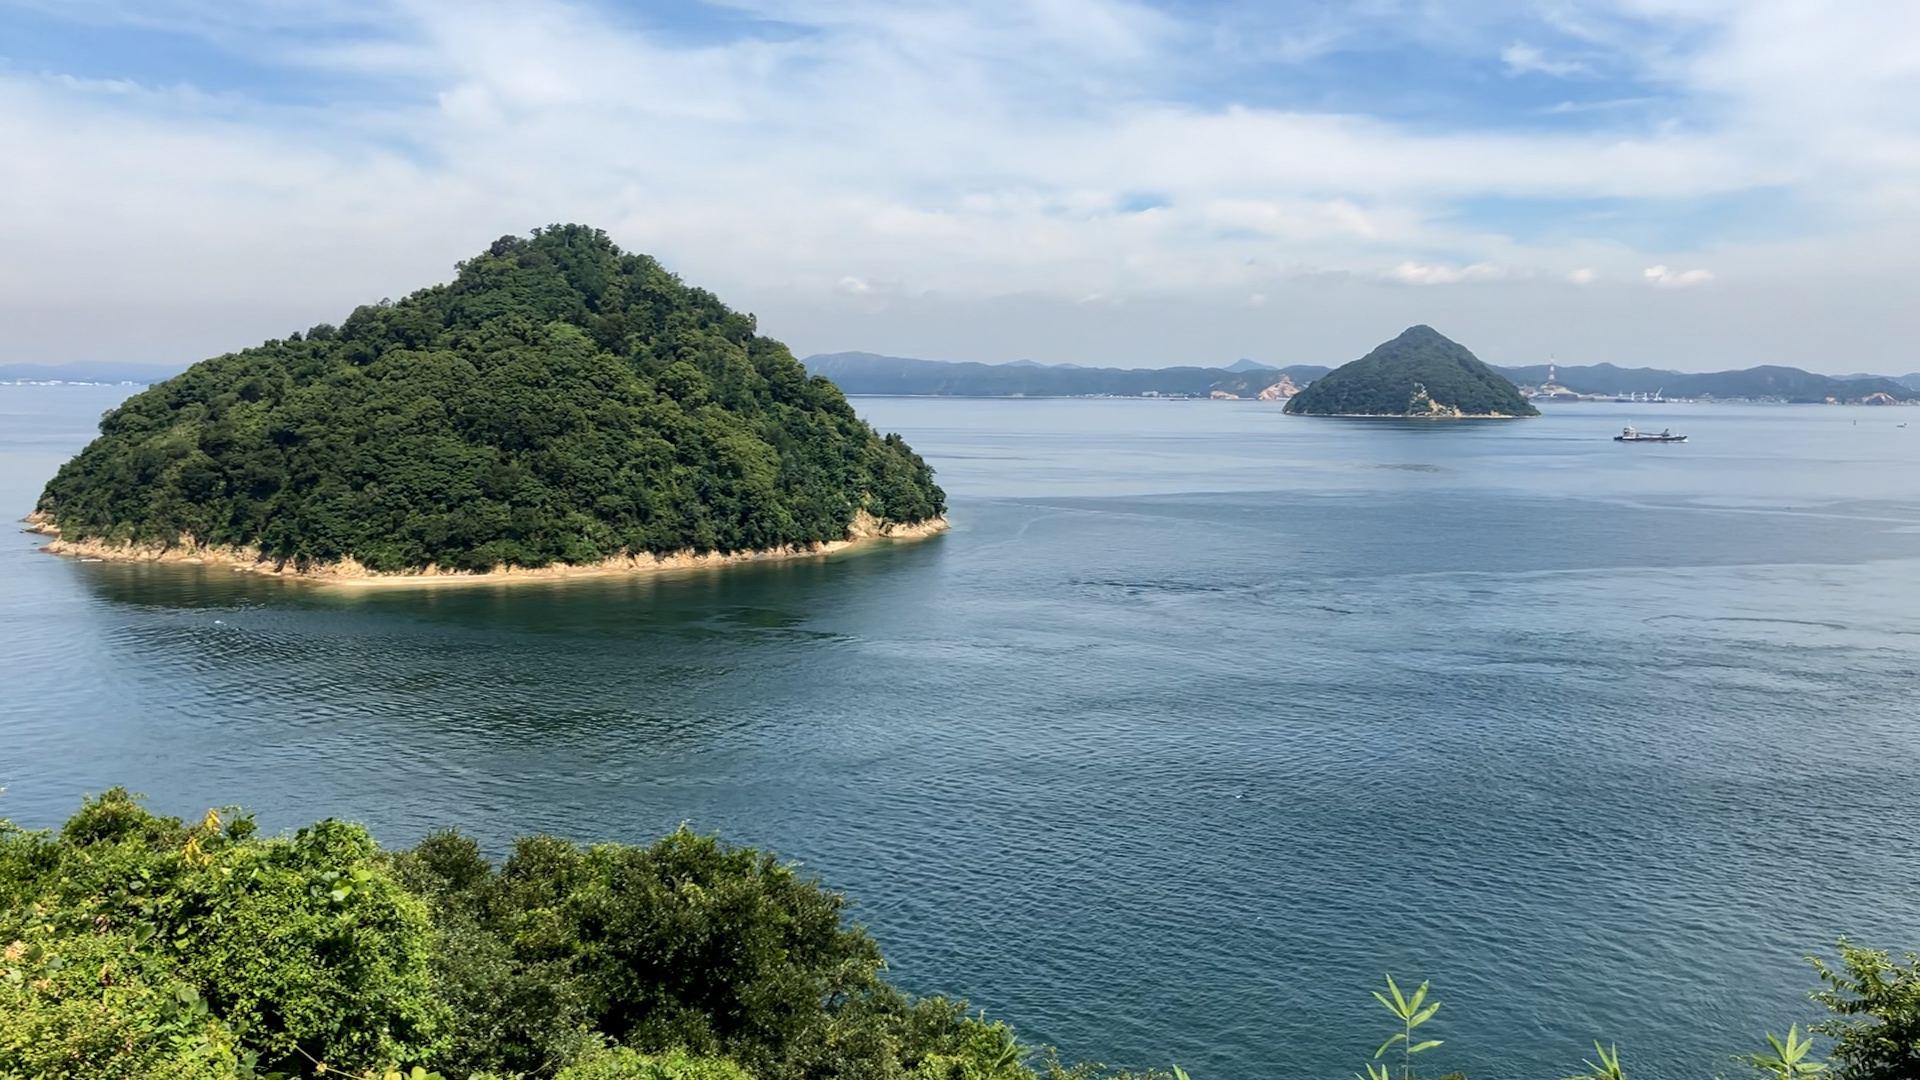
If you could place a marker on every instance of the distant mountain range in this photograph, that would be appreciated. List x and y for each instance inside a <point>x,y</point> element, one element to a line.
<point>1911,382</point>
<point>870,373</point>
<point>1777,383</point>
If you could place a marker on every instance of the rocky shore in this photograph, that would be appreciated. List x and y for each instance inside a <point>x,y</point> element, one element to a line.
<point>864,530</point>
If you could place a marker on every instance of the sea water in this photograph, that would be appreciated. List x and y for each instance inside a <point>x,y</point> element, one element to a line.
<point>1200,721</point>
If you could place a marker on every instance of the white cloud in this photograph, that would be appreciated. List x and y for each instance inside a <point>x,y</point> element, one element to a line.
<point>1676,279</point>
<point>1413,273</point>
<point>959,147</point>
<point>1524,59</point>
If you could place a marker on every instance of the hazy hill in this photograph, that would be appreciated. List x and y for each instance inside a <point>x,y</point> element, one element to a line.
<point>869,373</point>
<point>1420,373</point>
<point>559,401</point>
<point>1783,383</point>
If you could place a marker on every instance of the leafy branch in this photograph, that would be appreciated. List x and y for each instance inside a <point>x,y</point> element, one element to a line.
<point>1411,1012</point>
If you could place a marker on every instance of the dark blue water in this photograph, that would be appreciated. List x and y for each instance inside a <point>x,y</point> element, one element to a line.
<point>1199,721</point>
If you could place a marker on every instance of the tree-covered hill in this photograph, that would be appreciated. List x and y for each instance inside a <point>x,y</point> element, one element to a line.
<point>1419,373</point>
<point>560,401</point>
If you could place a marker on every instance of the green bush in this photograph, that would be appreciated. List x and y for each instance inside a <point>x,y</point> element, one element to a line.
<point>685,945</point>
<point>97,1005</point>
<point>623,1064</point>
<point>297,950</point>
<point>1875,1002</point>
<point>140,947</point>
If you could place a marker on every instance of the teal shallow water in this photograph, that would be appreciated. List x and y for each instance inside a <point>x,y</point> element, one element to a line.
<point>1200,719</point>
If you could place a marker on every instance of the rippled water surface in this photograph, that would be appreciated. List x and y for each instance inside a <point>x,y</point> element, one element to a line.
<point>1199,721</point>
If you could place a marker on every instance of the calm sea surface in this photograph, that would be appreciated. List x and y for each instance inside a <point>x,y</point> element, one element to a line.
<point>1199,721</point>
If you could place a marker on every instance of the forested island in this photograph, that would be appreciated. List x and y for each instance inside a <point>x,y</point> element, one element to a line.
<point>560,404</point>
<point>1765,383</point>
<point>1421,373</point>
<point>139,946</point>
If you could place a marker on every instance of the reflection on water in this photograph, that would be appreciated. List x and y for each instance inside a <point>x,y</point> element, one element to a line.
<point>1199,720</point>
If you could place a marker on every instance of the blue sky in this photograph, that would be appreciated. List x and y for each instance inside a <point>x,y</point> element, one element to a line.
<point>1699,183</point>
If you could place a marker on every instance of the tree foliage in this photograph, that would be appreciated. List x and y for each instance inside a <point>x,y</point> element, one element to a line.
<point>137,945</point>
<point>141,947</point>
<point>559,401</point>
<point>620,1063</point>
<point>1411,376</point>
<point>1875,1002</point>
<point>687,945</point>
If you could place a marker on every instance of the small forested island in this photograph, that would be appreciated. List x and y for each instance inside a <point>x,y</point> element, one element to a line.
<point>1421,373</point>
<point>560,405</point>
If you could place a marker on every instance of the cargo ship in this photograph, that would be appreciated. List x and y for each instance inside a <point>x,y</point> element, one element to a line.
<point>1631,435</point>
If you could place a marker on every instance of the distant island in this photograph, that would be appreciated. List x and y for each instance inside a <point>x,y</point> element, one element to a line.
<point>560,406</point>
<point>1765,383</point>
<point>870,373</point>
<point>1421,373</point>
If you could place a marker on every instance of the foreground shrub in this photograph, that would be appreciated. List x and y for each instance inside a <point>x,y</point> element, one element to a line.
<point>202,940</point>
<point>685,946</point>
<point>623,1064</point>
<point>139,947</point>
<point>1875,1002</point>
<point>96,1006</point>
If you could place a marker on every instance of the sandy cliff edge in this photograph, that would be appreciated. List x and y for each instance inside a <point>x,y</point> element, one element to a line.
<point>865,529</point>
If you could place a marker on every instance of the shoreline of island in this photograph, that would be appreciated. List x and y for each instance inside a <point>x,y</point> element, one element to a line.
<point>1411,416</point>
<point>865,530</point>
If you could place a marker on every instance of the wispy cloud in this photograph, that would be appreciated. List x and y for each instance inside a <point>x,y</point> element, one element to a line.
<point>1524,59</point>
<point>1676,279</point>
<point>1413,273</point>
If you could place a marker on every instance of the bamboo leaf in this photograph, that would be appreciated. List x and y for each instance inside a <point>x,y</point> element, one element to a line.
<point>1399,1002</point>
<point>1428,1045</point>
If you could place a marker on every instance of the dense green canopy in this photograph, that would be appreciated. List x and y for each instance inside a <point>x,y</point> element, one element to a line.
<point>559,401</point>
<point>142,947</point>
<point>1419,373</point>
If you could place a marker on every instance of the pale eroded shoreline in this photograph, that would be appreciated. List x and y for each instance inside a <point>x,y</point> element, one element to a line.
<point>865,530</point>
